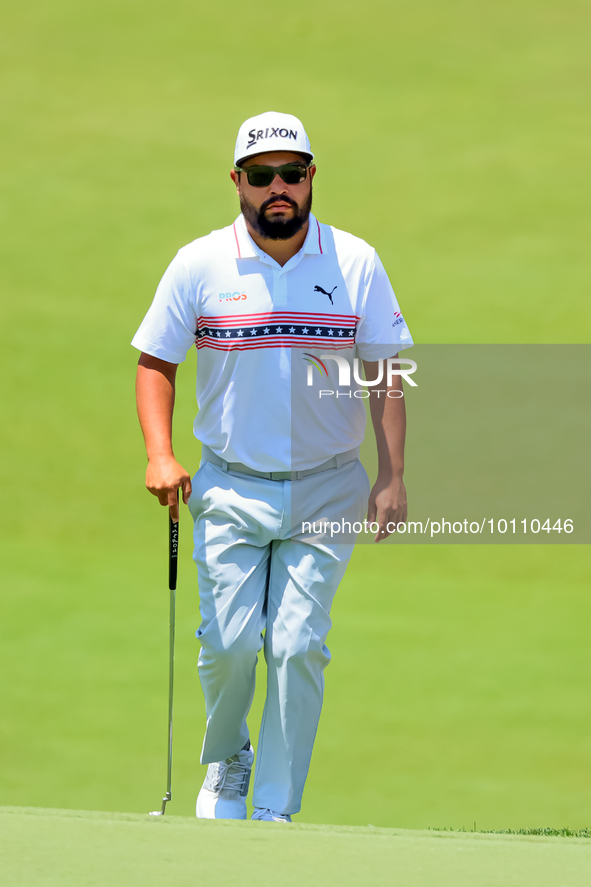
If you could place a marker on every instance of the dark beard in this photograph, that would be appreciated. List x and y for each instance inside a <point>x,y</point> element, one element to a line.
<point>281,229</point>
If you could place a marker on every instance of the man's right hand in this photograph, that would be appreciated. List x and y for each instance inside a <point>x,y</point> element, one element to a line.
<point>155,382</point>
<point>164,476</point>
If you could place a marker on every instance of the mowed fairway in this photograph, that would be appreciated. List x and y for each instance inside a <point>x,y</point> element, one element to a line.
<point>452,137</point>
<point>60,848</point>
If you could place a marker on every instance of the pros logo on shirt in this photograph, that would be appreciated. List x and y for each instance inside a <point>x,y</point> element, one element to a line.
<point>232,297</point>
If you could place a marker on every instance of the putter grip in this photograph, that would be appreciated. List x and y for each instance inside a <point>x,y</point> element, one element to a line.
<point>173,553</point>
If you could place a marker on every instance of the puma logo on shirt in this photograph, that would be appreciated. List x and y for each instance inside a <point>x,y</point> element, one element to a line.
<point>318,289</point>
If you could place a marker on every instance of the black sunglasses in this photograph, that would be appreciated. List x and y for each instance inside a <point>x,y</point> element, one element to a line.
<point>262,176</point>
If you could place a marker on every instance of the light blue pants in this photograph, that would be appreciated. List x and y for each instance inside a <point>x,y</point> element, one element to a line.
<point>260,585</point>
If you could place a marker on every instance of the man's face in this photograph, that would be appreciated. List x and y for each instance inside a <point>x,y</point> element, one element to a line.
<point>277,211</point>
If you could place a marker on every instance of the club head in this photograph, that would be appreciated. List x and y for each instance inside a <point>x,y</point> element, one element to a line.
<point>165,801</point>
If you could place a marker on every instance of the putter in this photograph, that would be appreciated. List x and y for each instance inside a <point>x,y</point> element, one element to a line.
<point>173,550</point>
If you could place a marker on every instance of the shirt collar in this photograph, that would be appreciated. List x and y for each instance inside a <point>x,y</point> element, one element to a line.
<point>246,248</point>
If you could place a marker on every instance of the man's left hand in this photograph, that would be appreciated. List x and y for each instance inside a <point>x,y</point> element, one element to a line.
<point>387,505</point>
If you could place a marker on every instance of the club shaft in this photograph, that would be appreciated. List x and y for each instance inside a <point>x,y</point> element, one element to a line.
<point>170,688</point>
<point>173,550</point>
<point>172,575</point>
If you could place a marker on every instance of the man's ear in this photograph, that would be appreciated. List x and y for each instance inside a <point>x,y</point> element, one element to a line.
<point>235,176</point>
<point>312,170</point>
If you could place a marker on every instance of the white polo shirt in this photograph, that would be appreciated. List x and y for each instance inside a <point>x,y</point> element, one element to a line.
<point>259,326</point>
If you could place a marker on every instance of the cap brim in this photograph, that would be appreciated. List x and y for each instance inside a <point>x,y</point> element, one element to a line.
<point>307,155</point>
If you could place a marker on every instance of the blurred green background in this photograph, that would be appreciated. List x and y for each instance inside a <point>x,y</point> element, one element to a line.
<point>450,135</point>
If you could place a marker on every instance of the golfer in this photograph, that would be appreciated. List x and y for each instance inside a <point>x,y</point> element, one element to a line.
<point>279,306</point>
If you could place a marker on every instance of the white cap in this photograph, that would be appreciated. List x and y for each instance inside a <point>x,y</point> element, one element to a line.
<point>271,131</point>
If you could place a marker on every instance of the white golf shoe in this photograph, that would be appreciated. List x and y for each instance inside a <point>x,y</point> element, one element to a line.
<point>266,815</point>
<point>224,791</point>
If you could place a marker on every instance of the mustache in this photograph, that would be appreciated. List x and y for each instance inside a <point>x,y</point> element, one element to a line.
<point>273,200</point>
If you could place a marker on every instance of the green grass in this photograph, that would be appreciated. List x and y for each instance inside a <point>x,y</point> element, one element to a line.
<point>457,691</point>
<point>42,848</point>
<point>530,832</point>
<point>452,136</point>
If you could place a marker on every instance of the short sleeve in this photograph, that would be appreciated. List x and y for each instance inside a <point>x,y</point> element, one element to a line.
<point>169,328</point>
<point>382,330</point>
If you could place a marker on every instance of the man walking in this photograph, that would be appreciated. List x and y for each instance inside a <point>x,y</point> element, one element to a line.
<point>264,300</point>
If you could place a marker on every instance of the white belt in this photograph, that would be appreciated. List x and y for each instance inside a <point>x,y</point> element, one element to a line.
<point>341,459</point>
